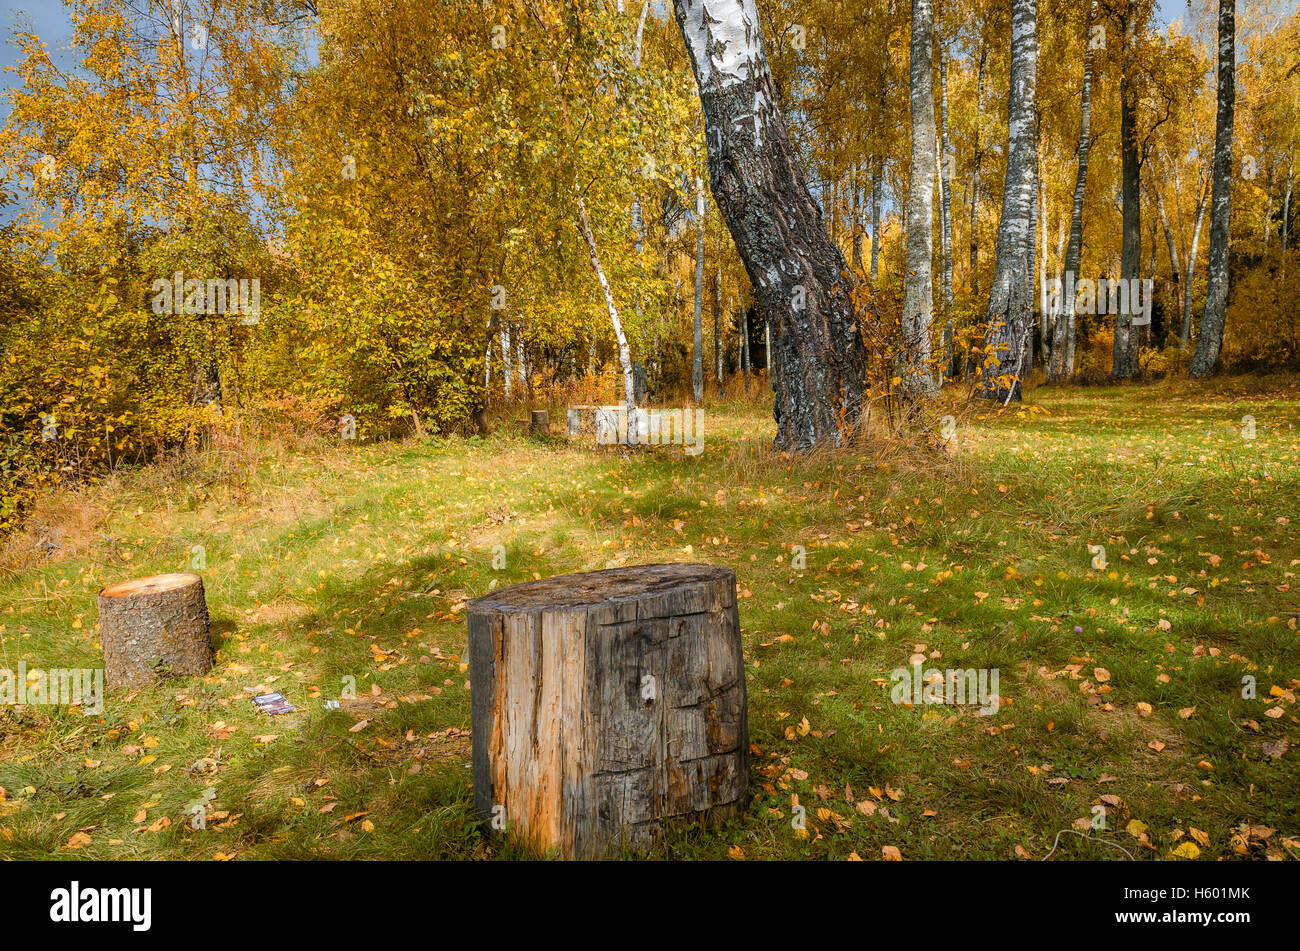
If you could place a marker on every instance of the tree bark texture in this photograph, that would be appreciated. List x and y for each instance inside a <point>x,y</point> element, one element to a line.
<point>607,705</point>
<point>799,277</point>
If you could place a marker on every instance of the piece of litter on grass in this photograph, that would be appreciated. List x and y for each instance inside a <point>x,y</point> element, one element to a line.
<point>274,703</point>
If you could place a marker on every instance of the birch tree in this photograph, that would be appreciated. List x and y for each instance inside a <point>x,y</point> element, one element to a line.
<point>1010,308</point>
<point>1062,360</point>
<point>798,275</point>
<point>1216,292</point>
<point>1124,351</point>
<point>945,176</point>
<point>697,366</point>
<point>918,295</point>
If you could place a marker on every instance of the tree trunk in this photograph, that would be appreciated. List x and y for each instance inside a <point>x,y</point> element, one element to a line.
<point>1062,364</point>
<point>745,362</point>
<point>975,174</point>
<point>857,221</point>
<point>697,365</point>
<point>608,705</point>
<point>1286,213</point>
<point>1010,309</point>
<point>1175,269</point>
<point>945,177</point>
<point>1190,266</point>
<point>798,275</point>
<point>918,293</point>
<point>1042,261</point>
<point>1124,350</point>
<point>875,220</point>
<point>717,328</point>
<point>1027,361</point>
<point>153,628</point>
<point>1210,339</point>
<point>624,351</point>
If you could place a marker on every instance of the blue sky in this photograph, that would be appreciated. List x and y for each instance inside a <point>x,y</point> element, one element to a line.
<point>49,20</point>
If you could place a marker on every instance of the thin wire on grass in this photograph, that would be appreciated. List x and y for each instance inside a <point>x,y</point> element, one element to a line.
<point>1090,838</point>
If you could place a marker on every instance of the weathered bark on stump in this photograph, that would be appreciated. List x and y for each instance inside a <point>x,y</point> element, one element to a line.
<point>153,628</point>
<point>798,275</point>
<point>608,704</point>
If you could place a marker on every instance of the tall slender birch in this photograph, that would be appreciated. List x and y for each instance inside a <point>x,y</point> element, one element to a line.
<point>1210,340</point>
<point>918,283</point>
<point>1010,308</point>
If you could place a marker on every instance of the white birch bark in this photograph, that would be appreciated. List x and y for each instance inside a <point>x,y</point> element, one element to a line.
<point>918,294</point>
<point>1010,308</point>
<point>1209,342</point>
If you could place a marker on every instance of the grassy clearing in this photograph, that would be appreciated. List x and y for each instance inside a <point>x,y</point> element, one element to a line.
<point>1122,687</point>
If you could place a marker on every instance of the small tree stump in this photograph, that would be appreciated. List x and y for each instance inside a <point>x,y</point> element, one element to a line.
<point>541,423</point>
<point>607,427</point>
<point>608,704</point>
<point>153,628</point>
<point>573,421</point>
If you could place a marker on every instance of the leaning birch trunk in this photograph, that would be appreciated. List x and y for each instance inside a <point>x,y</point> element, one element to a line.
<point>1210,339</point>
<point>152,628</point>
<point>1010,307</point>
<point>608,705</point>
<point>798,275</point>
<point>624,352</point>
<point>918,283</point>
<point>1190,264</point>
<point>1062,363</point>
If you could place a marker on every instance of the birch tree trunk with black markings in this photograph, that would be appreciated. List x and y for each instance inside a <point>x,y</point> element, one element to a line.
<point>799,278</point>
<point>1062,362</point>
<point>1010,309</point>
<point>918,281</point>
<point>697,365</point>
<point>1124,349</point>
<point>1190,264</point>
<point>975,173</point>
<point>945,176</point>
<point>1210,340</point>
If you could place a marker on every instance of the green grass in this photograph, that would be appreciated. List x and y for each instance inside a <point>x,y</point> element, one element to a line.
<point>356,561</point>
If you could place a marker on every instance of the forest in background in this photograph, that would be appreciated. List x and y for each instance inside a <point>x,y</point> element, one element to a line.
<point>414,195</point>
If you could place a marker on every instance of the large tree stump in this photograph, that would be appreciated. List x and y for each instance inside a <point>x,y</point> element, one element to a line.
<point>155,627</point>
<point>608,704</point>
